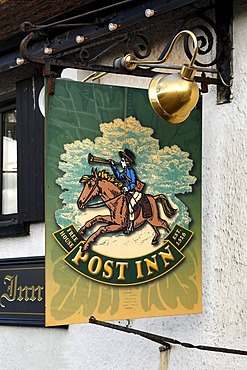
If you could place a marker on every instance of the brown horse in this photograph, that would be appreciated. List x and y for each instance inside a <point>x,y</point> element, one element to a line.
<point>105,186</point>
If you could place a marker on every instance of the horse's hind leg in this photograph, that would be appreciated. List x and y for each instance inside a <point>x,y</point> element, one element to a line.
<point>155,239</point>
<point>159,223</point>
<point>156,222</point>
<point>156,235</point>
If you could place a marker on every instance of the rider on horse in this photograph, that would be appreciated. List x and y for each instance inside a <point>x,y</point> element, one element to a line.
<point>133,186</point>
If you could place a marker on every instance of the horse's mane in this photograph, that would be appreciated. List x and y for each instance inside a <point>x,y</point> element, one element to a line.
<point>103,175</point>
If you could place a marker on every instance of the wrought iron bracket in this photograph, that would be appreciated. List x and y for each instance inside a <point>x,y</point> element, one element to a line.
<point>95,40</point>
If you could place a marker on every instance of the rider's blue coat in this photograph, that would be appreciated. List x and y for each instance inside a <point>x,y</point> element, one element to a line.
<point>128,175</point>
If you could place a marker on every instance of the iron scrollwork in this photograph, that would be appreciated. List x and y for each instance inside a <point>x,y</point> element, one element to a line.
<point>205,41</point>
<point>134,42</point>
<point>139,45</point>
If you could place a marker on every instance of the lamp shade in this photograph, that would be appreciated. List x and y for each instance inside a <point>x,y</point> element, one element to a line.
<point>174,96</point>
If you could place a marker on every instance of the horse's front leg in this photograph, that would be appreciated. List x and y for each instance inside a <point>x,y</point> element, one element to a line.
<point>101,230</point>
<point>93,221</point>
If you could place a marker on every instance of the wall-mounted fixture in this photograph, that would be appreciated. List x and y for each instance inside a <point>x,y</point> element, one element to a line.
<point>174,96</point>
<point>64,44</point>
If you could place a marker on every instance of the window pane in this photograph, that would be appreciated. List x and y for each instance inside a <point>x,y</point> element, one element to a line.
<point>9,190</point>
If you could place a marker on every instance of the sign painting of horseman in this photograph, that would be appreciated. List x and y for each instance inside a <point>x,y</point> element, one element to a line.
<point>122,193</point>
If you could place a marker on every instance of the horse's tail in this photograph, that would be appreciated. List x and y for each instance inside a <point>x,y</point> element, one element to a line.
<point>166,205</point>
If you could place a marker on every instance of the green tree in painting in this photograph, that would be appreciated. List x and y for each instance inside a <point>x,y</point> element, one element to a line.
<point>164,170</point>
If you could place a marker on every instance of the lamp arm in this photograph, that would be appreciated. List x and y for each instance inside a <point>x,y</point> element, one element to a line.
<point>131,64</point>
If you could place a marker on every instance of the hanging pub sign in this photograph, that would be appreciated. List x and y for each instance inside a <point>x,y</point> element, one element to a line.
<point>123,207</point>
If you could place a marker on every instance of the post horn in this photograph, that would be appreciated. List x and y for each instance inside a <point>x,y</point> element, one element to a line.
<point>92,159</point>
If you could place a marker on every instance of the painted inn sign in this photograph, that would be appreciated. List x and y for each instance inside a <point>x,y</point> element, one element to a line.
<point>123,207</point>
<point>22,291</point>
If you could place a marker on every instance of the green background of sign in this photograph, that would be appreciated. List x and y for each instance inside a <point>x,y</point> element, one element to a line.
<point>74,112</point>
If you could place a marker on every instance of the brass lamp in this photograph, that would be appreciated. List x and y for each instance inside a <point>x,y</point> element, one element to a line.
<point>174,96</point>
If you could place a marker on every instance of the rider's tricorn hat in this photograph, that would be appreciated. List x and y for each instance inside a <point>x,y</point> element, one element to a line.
<point>127,155</point>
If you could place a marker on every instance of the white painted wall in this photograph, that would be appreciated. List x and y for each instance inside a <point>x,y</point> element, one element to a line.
<point>223,321</point>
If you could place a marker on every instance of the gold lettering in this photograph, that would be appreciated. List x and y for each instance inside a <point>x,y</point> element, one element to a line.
<point>122,266</point>
<point>20,290</point>
<point>80,256</point>
<point>95,265</point>
<point>39,290</point>
<point>19,293</point>
<point>151,264</point>
<point>166,256</point>
<point>34,289</point>
<point>11,289</point>
<point>32,298</point>
<point>108,265</point>
<point>139,269</point>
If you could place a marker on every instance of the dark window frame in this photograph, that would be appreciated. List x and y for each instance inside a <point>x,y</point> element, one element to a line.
<point>9,225</point>
<point>4,109</point>
<point>30,157</point>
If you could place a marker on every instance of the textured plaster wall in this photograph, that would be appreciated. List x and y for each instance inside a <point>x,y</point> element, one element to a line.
<point>223,321</point>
